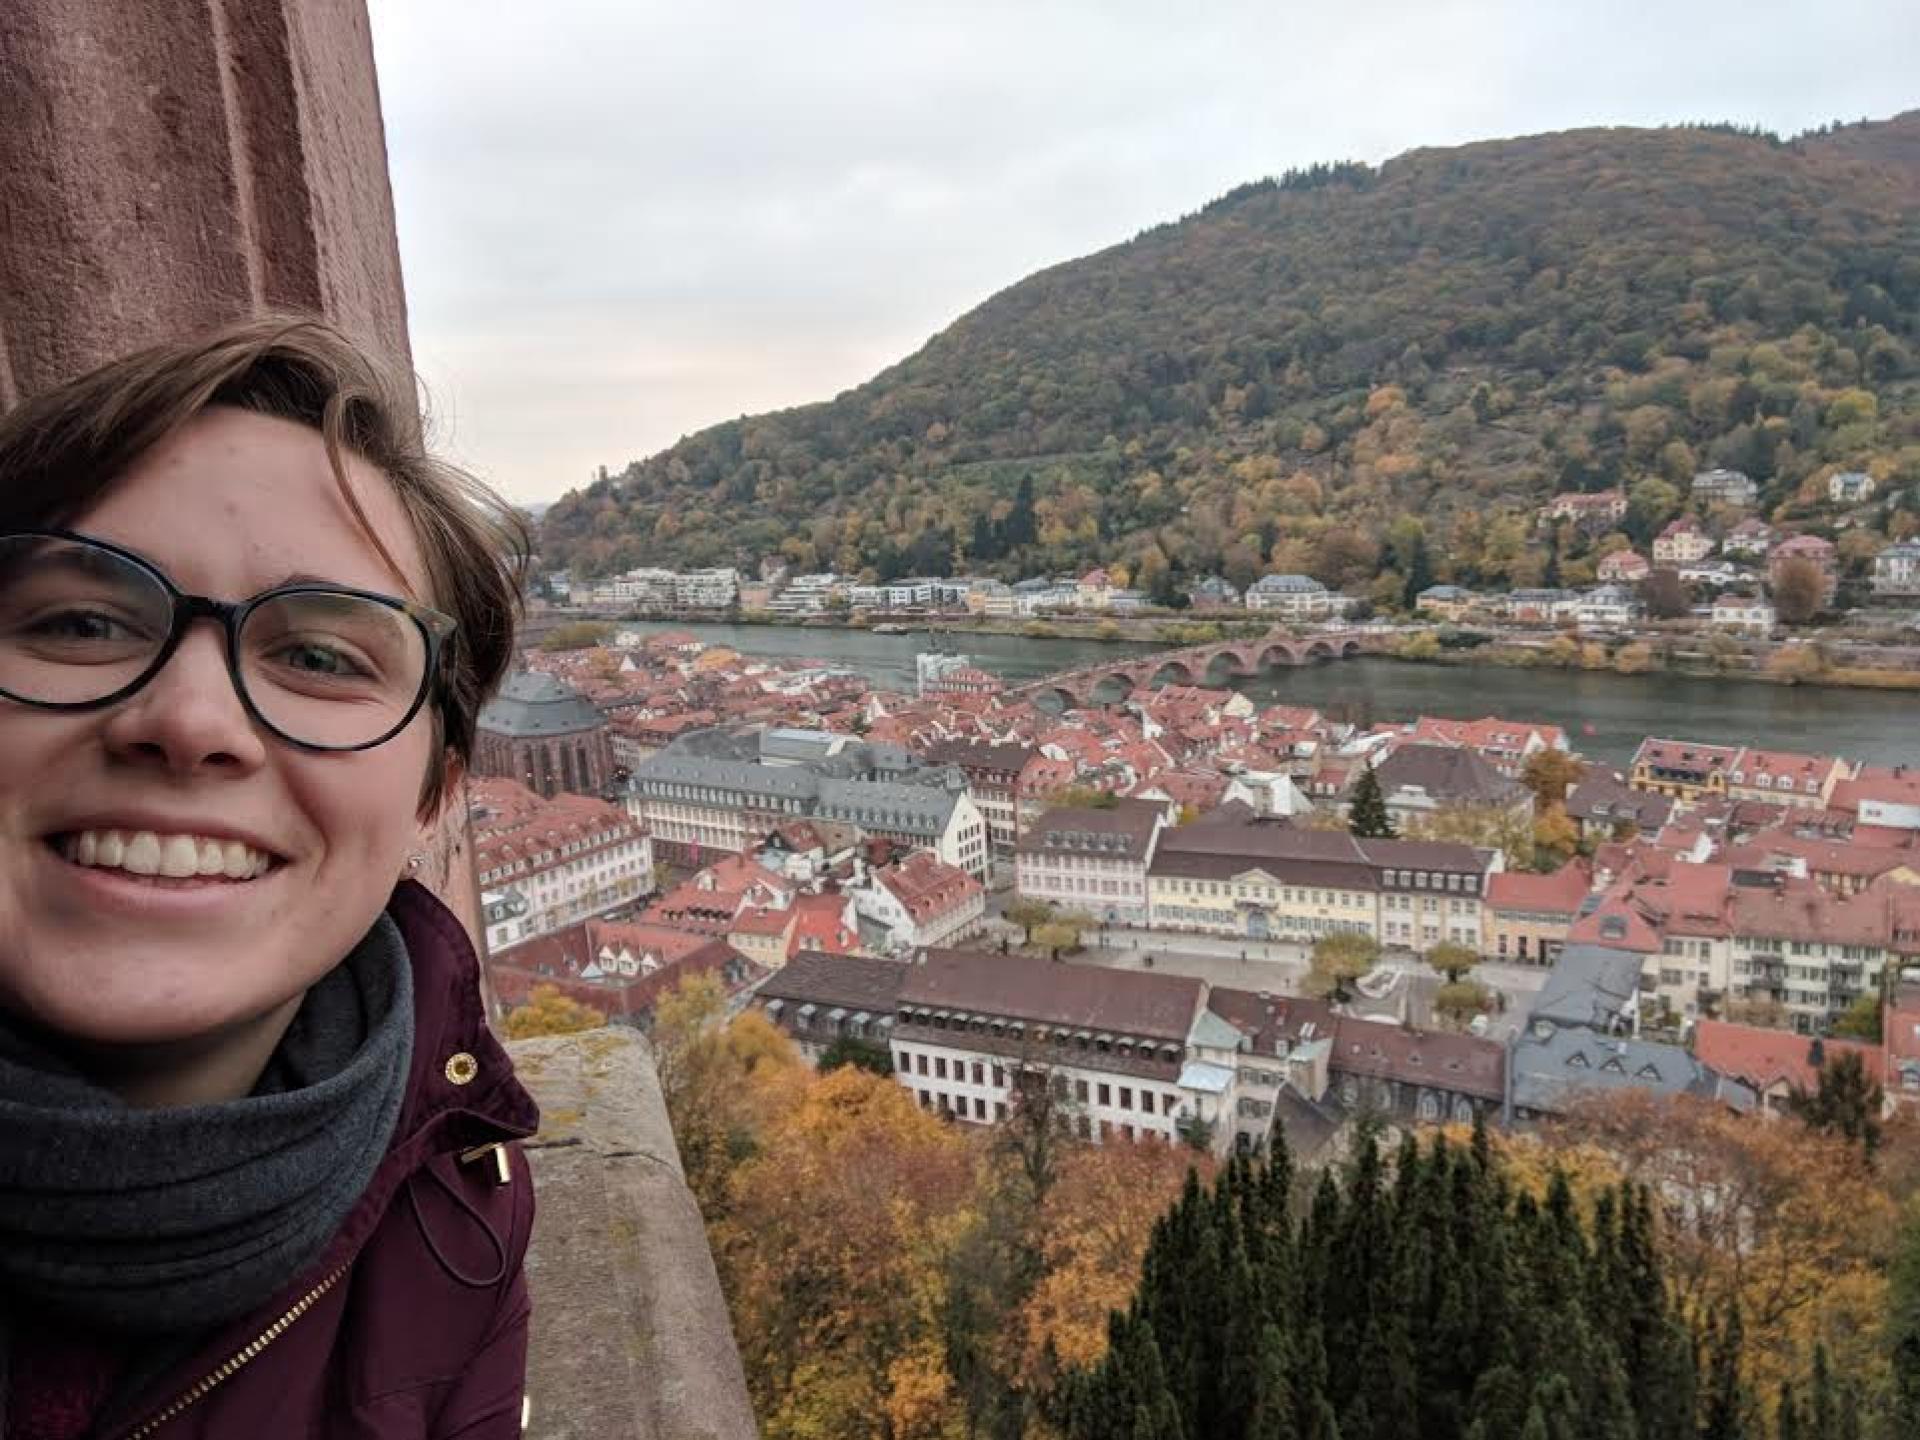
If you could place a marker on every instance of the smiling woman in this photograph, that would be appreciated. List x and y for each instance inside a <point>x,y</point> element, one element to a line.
<point>246,625</point>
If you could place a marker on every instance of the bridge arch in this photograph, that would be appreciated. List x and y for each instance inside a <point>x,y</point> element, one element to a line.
<point>1278,656</point>
<point>1111,688</point>
<point>1176,672</point>
<point>1053,699</point>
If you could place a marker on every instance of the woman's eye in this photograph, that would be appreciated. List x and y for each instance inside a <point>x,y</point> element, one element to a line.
<point>81,625</point>
<point>314,659</point>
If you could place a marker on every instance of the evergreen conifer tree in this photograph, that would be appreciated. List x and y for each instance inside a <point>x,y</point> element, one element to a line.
<point>1724,1408</point>
<point>1367,816</point>
<point>1787,1424</point>
<point>1902,1331</point>
<point>1451,1305</point>
<point>1272,1416</point>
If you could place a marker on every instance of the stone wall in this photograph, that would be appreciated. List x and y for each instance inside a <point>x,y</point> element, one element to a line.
<point>630,1333</point>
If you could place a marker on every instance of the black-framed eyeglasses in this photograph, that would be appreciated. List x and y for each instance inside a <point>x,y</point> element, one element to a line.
<point>84,624</point>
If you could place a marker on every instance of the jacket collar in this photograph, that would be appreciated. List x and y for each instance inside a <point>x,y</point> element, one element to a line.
<point>461,1078</point>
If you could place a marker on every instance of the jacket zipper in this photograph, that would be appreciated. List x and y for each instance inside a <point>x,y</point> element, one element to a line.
<point>235,1362</point>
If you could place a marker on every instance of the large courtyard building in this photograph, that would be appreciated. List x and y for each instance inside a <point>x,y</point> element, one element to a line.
<point>1235,873</point>
<point>718,792</point>
<point>1126,1055</point>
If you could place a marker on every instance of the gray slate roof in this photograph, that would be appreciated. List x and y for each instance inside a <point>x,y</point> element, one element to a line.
<point>1449,773</point>
<point>1552,1071</point>
<point>1589,985</point>
<point>530,704</point>
<point>1605,797</point>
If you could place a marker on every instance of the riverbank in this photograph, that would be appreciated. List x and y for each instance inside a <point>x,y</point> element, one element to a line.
<point>1605,712</point>
<point>1793,663</point>
<point>1810,662</point>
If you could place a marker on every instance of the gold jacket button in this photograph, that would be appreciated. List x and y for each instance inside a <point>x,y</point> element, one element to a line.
<point>462,1067</point>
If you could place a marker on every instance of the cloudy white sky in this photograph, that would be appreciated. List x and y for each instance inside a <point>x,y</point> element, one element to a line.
<point>624,220</point>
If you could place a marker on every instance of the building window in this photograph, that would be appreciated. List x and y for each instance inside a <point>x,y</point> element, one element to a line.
<point>939,1067</point>
<point>1106,1095</point>
<point>1126,1097</point>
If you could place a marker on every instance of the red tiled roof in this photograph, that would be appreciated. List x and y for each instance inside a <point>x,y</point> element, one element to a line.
<point>1763,1057</point>
<point>927,886</point>
<point>1560,893</point>
<point>820,927</point>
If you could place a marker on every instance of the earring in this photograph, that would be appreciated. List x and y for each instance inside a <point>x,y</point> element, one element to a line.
<point>415,861</point>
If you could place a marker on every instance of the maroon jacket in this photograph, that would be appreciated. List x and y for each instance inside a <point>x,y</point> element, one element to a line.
<point>413,1321</point>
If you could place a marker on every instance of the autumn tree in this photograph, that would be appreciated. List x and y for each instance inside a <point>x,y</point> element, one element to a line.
<point>1062,932</point>
<point>1094,1226</point>
<point>550,1011</point>
<point>1787,1225</point>
<point>1635,658</point>
<point>1459,1001</point>
<point>1027,914</point>
<point>1799,591</point>
<point>1487,829</point>
<point>1556,837</point>
<point>1550,773</point>
<point>1796,664</point>
<point>834,1253</point>
<point>1664,594</point>
<point>1452,959</point>
<point>1861,1021</point>
<point>1338,960</point>
<point>722,1082</point>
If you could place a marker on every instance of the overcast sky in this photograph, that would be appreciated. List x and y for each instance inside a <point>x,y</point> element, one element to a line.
<point>623,221</point>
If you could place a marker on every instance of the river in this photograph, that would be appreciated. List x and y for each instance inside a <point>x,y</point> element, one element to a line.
<point>1605,715</point>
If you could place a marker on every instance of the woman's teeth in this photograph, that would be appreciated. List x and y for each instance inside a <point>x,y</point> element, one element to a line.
<point>179,857</point>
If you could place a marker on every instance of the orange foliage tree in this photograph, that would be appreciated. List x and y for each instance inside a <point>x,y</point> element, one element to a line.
<point>1093,1229</point>
<point>834,1256</point>
<point>1792,1225</point>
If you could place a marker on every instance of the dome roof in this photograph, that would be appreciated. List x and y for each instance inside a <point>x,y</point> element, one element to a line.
<point>531,705</point>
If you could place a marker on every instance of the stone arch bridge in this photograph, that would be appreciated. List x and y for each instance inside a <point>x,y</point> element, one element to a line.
<point>1217,664</point>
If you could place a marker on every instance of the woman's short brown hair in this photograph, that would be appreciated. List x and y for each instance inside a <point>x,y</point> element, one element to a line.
<point>61,450</point>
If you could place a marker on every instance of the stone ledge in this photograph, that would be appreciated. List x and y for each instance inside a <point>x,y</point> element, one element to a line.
<point>630,1333</point>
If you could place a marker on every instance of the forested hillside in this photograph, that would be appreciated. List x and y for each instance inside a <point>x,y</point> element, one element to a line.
<point>1329,371</point>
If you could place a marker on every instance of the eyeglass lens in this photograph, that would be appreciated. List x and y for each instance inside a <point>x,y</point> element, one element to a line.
<point>79,624</point>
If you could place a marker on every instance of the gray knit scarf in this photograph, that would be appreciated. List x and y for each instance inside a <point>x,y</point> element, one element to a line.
<point>154,1222</point>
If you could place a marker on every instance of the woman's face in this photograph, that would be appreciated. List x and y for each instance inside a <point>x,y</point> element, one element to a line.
<point>232,504</point>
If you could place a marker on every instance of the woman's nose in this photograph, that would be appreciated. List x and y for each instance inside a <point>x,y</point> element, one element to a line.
<point>190,715</point>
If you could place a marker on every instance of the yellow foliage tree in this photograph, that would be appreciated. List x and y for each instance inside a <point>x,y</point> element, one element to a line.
<point>550,1011</point>
<point>723,1083</point>
<point>834,1257</point>
<point>1094,1227</point>
<point>1555,837</point>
